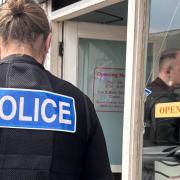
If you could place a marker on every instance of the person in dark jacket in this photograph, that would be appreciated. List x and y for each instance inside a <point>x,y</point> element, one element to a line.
<point>162,131</point>
<point>49,129</point>
<point>168,78</point>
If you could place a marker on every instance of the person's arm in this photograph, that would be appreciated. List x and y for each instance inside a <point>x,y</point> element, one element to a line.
<point>96,161</point>
<point>147,122</point>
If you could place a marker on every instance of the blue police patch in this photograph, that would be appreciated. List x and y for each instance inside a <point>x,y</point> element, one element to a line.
<point>147,91</point>
<point>36,109</point>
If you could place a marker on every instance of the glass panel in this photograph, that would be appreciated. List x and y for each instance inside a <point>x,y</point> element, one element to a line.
<point>162,123</point>
<point>101,77</point>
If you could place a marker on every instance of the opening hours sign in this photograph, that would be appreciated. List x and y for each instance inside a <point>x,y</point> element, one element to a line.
<point>108,90</point>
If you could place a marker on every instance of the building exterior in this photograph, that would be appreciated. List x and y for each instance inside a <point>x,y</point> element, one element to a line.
<point>91,41</point>
<point>110,50</point>
<point>103,47</point>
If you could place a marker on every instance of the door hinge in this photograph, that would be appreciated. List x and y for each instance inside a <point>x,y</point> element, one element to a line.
<point>61,49</point>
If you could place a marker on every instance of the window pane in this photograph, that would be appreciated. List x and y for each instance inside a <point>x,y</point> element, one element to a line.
<point>161,130</point>
<point>102,78</point>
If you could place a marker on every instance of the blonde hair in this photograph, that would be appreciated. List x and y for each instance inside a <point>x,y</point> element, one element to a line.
<point>23,20</point>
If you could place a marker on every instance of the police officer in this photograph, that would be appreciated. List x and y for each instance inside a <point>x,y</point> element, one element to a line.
<point>49,128</point>
<point>162,131</point>
<point>168,78</point>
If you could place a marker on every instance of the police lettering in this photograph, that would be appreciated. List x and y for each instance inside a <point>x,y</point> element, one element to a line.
<point>40,109</point>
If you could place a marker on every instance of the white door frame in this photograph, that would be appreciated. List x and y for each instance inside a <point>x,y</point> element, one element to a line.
<point>80,8</point>
<point>136,53</point>
<point>75,30</point>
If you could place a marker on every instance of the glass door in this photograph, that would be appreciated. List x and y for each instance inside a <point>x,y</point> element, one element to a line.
<point>102,76</point>
<point>97,59</point>
<point>162,133</point>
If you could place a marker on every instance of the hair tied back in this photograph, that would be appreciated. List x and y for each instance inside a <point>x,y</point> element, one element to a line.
<point>16,6</point>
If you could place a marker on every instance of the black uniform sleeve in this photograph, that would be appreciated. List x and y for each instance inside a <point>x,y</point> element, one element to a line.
<point>96,162</point>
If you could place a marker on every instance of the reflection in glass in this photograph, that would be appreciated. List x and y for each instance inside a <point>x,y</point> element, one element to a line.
<point>160,143</point>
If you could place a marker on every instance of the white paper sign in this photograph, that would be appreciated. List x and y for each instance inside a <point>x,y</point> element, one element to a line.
<point>108,89</point>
